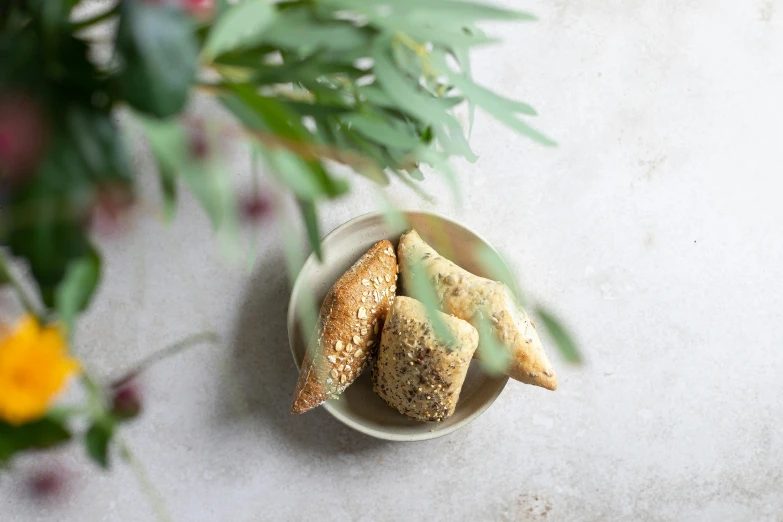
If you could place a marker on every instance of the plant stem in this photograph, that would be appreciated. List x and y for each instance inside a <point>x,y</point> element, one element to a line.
<point>5,271</point>
<point>78,26</point>
<point>165,353</point>
<point>143,478</point>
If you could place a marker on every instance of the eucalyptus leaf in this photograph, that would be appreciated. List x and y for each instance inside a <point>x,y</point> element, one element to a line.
<point>560,335</point>
<point>494,356</point>
<point>297,29</point>
<point>380,130</point>
<point>496,268</point>
<point>451,12</point>
<point>241,25</point>
<point>268,114</point>
<point>502,109</point>
<point>310,218</point>
<point>204,177</point>
<point>421,289</point>
<point>400,89</point>
<point>416,174</point>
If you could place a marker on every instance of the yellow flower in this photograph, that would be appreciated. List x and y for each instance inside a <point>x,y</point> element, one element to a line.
<point>34,366</point>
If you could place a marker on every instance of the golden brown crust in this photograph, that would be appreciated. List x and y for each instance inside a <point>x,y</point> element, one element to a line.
<point>475,298</point>
<point>416,373</point>
<point>348,329</point>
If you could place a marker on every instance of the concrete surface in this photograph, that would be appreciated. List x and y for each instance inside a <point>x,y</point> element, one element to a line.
<point>654,230</point>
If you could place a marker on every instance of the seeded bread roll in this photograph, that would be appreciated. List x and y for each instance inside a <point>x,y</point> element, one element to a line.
<point>348,327</point>
<point>475,298</point>
<point>415,373</point>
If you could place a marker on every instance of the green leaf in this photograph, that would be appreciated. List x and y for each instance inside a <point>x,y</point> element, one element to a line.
<point>94,135</point>
<point>462,55</point>
<point>452,139</point>
<point>271,116</point>
<point>416,174</point>
<point>423,290</point>
<point>561,336</point>
<point>494,356</point>
<point>297,29</point>
<point>241,25</point>
<point>310,218</point>
<point>401,90</point>
<point>96,442</point>
<point>502,109</point>
<point>377,96</point>
<point>402,14</point>
<point>168,187</point>
<point>211,188</point>
<point>160,55</point>
<point>381,130</point>
<point>74,293</point>
<point>496,268</point>
<point>40,434</point>
<point>48,215</point>
<point>5,277</point>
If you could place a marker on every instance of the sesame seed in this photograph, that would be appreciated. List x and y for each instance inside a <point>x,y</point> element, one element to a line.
<point>358,340</point>
<point>338,346</point>
<point>331,359</point>
<point>365,282</point>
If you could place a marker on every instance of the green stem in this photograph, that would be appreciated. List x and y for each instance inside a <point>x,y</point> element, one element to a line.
<point>143,478</point>
<point>78,26</point>
<point>5,273</point>
<point>165,353</point>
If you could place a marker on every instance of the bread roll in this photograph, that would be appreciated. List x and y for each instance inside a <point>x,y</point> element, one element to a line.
<point>348,327</point>
<point>472,298</point>
<point>416,373</point>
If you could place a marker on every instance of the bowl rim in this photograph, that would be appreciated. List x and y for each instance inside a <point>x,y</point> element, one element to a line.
<point>290,321</point>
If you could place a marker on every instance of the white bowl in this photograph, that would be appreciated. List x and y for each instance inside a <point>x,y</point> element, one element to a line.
<point>359,406</point>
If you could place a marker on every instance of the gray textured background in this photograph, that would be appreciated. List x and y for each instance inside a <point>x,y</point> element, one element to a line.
<point>654,229</point>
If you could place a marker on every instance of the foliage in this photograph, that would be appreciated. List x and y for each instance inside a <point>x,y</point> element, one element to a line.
<point>368,84</point>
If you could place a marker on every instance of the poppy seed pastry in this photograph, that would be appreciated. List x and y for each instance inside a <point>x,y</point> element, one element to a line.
<point>415,372</point>
<point>474,299</point>
<point>348,328</point>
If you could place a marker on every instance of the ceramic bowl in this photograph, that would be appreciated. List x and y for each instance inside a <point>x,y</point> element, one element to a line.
<point>359,406</point>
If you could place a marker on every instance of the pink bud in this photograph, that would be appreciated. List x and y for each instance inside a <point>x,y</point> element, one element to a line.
<point>126,402</point>
<point>201,9</point>
<point>198,146</point>
<point>256,207</point>
<point>23,133</point>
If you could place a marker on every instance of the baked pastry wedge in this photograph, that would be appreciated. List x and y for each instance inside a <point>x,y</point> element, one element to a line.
<point>348,327</point>
<point>415,372</point>
<point>474,299</point>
